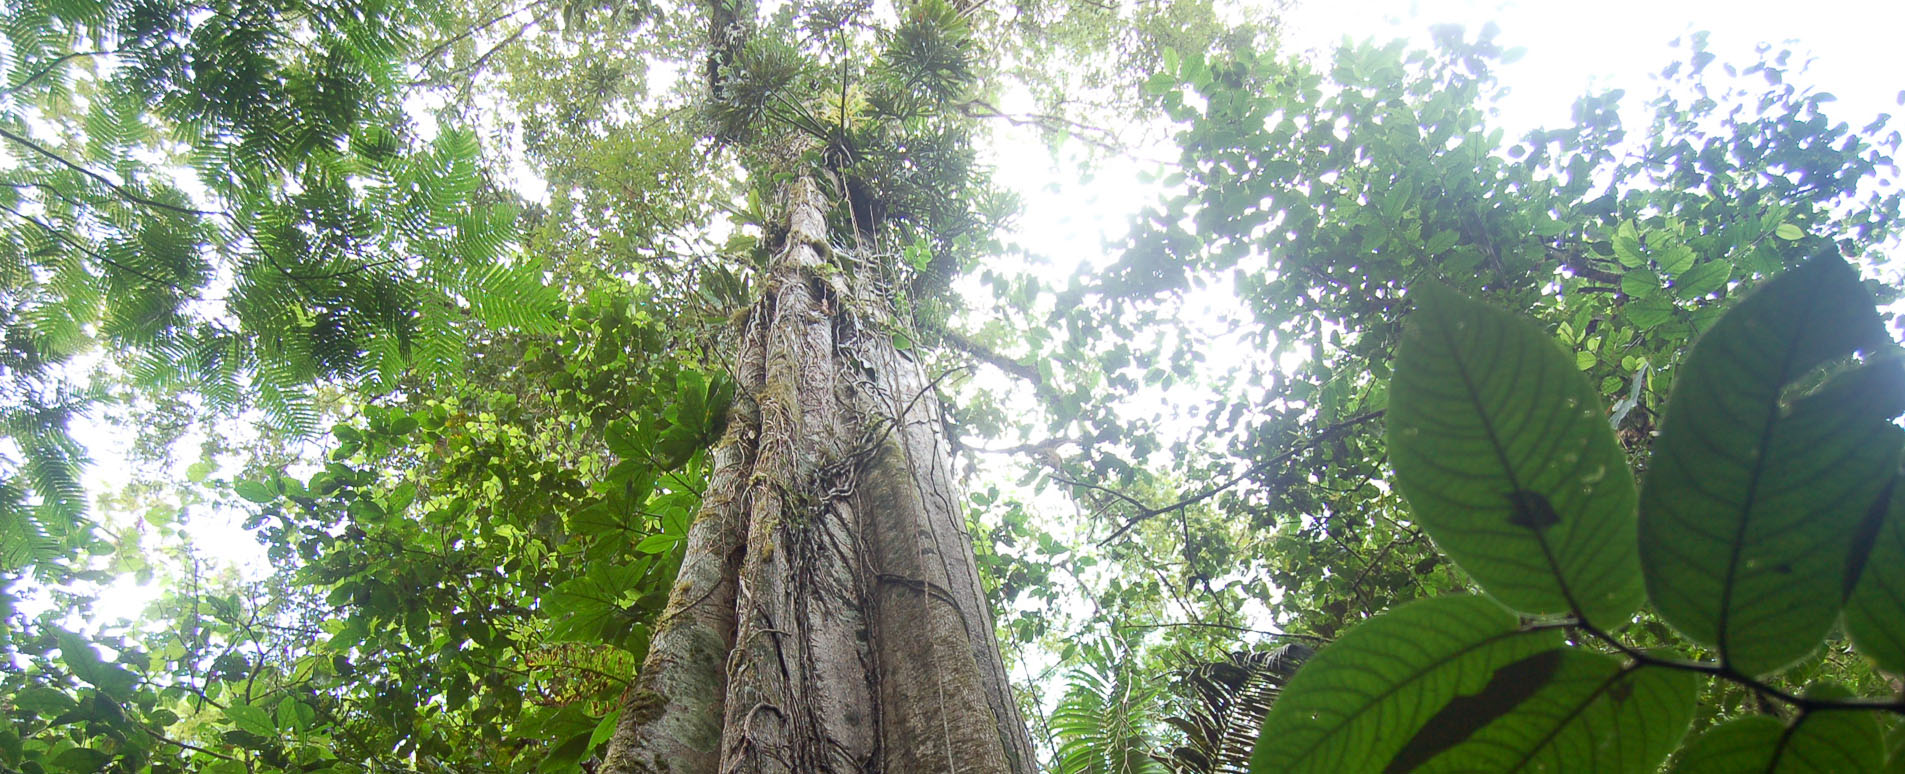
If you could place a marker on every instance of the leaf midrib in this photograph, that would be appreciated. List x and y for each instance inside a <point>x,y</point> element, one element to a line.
<point>1416,676</point>
<point>1760,453</point>
<point>1501,455</point>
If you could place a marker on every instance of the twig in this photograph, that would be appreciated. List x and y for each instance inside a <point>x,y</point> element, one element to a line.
<point>43,71</point>
<point>77,245</point>
<point>117,188</point>
<point>439,48</point>
<point>1323,436</point>
<point>1227,627</point>
<point>1726,672</point>
<point>184,745</point>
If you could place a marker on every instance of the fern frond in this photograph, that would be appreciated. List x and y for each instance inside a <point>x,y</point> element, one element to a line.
<point>1228,700</point>
<point>1103,724</point>
<point>23,541</point>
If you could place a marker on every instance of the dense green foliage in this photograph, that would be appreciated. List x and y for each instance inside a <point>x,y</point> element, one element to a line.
<point>267,242</point>
<point>1316,194</point>
<point>231,205</point>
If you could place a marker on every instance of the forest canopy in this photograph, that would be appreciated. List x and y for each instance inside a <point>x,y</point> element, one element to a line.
<point>558,385</point>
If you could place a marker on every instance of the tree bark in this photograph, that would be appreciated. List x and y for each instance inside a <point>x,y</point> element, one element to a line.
<point>828,616</point>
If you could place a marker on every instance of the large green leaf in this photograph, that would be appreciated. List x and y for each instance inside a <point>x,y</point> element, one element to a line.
<point>1592,717</point>
<point>1360,701</point>
<point>1754,497</point>
<point>1875,613</point>
<point>1822,742</point>
<point>79,656</point>
<point>1506,458</point>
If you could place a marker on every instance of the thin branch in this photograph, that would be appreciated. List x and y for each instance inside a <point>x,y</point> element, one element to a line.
<point>482,60</point>
<point>1128,499</point>
<point>96,255</point>
<point>993,358</point>
<point>1034,447</point>
<point>1323,436</point>
<point>184,745</point>
<point>439,48</point>
<point>1724,672</point>
<point>117,188</point>
<point>50,66</point>
<point>1226,627</point>
<point>1098,136</point>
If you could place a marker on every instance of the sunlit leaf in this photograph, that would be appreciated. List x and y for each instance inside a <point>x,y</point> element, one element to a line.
<point>1504,453</point>
<point>1593,716</point>
<point>1362,700</point>
<point>1755,494</point>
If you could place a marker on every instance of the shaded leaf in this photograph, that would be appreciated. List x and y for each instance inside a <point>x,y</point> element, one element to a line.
<point>1821,742</point>
<point>251,719</point>
<point>79,656</point>
<point>1875,613</point>
<point>1229,701</point>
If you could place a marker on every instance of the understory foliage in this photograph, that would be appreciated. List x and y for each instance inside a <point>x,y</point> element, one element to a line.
<point>1768,515</point>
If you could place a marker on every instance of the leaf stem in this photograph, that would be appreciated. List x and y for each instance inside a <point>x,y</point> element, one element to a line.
<point>1728,673</point>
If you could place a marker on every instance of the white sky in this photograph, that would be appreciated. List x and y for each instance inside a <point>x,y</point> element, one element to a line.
<point>1572,49</point>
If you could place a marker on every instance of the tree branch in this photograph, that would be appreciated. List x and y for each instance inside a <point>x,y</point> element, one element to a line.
<point>1226,627</point>
<point>992,357</point>
<point>77,245</point>
<point>42,72</point>
<point>1728,673</point>
<point>121,190</point>
<point>1321,437</point>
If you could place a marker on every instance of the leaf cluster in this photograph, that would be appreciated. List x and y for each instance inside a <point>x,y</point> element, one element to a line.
<point>1767,516</point>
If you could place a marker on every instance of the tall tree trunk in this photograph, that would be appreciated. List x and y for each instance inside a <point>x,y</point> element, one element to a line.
<point>828,616</point>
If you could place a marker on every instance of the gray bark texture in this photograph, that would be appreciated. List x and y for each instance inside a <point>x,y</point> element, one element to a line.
<point>828,616</point>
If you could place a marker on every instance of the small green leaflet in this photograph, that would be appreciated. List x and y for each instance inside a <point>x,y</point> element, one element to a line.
<point>1505,456</point>
<point>251,719</point>
<point>1702,280</point>
<point>1756,491</point>
<point>1627,246</point>
<point>1362,700</point>
<point>255,491</point>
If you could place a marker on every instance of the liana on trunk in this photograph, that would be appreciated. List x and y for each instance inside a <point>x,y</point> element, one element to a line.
<point>828,616</point>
